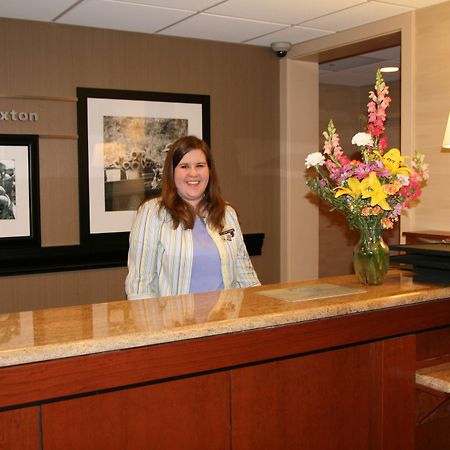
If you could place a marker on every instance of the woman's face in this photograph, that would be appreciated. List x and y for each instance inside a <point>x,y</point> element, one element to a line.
<point>191,176</point>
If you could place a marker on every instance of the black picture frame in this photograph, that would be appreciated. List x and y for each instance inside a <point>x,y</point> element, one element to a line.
<point>114,131</point>
<point>19,192</point>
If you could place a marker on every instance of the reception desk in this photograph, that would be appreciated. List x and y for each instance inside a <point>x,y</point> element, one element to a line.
<point>325,364</point>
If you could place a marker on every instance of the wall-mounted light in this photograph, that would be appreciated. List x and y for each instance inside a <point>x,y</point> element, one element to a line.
<point>389,69</point>
<point>446,141</point>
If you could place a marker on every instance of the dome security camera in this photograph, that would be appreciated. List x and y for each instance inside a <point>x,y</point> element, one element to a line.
<point>280,48</point>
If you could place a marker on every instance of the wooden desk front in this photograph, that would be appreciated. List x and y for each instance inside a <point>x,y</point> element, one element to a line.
<point>340,378</point>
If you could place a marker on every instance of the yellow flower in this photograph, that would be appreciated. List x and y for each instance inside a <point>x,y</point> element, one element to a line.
<point>395,162</point>
<point>373,189</point>
<point>353,189</point>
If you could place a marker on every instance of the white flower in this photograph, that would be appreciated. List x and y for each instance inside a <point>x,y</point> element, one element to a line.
<point>404,179</point>
<point>314,159</point>
<point>362,139</point>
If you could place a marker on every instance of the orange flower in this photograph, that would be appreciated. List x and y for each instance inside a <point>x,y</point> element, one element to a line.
<point>390,189</point>
<point>398,184</point>
<point>387,223</point>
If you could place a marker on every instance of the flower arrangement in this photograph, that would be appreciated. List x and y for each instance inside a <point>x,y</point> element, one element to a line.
<point>371,192</point>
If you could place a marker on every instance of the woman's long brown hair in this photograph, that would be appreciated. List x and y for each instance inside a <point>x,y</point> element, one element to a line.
<point>212,204</point>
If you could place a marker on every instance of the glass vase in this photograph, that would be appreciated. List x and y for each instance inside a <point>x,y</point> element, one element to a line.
<point>371,256</point>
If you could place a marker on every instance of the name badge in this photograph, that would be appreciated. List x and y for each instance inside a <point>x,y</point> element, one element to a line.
<point>227,234</point>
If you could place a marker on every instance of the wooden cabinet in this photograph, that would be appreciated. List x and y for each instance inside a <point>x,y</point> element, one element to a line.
<point>191,413</point>
<point>427,237</point>
<point>275,406</point>
<point>329,400</point>
<point>19,429</point>
<point>348,398</point>
<point>433,407</point>
<point>344,382</point>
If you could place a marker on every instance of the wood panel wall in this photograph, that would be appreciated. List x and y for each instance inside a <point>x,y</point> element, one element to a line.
<point>51,60</point>
<point>431,113</point>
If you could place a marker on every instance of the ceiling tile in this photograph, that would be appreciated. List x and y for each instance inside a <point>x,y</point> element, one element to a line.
<point>220,28</point>
<point>191,5</point>
<point>256,22</point>
<point>360,75</point>
<point>22,9</point>
<point>294,35</point>
<point>120,16</point>
<point>392,53</point>
<point>289,12</point>
<point>359,15</point>
<point>415,3</point>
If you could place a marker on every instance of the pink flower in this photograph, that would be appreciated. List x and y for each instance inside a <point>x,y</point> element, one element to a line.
<point>340,156</point>
<point>335,140</point>
<point>382,143</point>
<point>327,149</point>
<point>411,192</point>
<point>376,109</point>
<point>332,167</point>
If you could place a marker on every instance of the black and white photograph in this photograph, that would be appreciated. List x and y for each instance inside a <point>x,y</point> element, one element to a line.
<point>19,190</point>
<point>134,152</point>
<point>7,189</point>
<point>123,141</point>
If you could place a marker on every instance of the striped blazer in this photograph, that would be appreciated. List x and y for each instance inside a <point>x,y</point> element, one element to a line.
<point>160,257</point>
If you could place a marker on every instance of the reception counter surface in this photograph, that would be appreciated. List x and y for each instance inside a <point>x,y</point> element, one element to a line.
<point>50,334</point>
<point>326,364</point>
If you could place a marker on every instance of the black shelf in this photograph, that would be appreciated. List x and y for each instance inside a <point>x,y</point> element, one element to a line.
<point>82,257</point>
<point>429,263</point>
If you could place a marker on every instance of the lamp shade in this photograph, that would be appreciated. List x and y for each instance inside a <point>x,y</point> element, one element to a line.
<point>446,142</point>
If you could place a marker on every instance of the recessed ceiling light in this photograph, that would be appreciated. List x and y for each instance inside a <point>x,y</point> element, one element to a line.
<point>389,69</point>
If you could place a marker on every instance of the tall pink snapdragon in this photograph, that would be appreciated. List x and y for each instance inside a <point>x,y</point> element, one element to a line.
<point>332,147</point>
<point>376,109</point>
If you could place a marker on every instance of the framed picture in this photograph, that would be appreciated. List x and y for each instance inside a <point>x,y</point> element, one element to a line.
<point>123,140</point>
<point>19,191</point>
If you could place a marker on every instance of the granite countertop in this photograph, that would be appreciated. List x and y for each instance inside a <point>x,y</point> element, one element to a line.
<point>48,334</point>
<point>435,377</point>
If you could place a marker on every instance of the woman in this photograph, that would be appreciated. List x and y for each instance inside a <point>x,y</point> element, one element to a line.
<point>188,240</point>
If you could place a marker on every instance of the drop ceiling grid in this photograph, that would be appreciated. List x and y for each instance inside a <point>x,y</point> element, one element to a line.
<point>257,22</point>
<point>123,16</point>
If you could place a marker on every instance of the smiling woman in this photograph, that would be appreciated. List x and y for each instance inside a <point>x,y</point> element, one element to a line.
<point>189,239</point>
<point>192,176</point>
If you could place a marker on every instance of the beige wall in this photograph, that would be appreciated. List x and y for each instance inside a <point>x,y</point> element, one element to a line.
<point>336,240</point>
<point>432,107</point>
<point>43,59</point>
<point>299,100</point>
<point>40,59</point>
<point>310,51</point>
<point>425,104</point>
